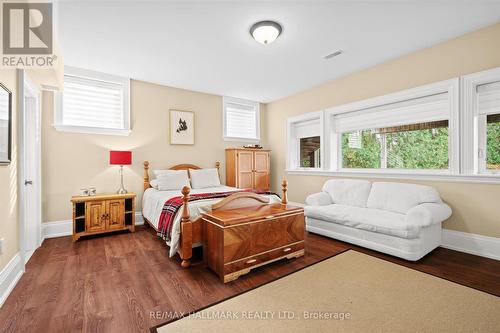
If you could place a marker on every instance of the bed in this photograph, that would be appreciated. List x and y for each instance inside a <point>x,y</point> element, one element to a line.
<point>187,224</point>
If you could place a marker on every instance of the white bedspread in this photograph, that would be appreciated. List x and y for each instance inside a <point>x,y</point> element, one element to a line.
<point>154,200</point>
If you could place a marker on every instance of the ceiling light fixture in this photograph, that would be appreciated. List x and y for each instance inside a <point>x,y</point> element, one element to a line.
<point>265,32</point>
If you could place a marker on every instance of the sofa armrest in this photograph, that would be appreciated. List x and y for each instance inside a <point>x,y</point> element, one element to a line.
<point>319,199</point>
<point>428,213</point>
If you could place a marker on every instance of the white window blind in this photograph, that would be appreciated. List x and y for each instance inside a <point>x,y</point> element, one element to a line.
<point>488,98</point>
<point>92,103</point>
<point>418,110</point>
<point>307,128</point>
<point>241,119</point>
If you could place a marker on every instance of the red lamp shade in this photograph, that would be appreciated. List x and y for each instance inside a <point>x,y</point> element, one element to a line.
<point>120,157</point>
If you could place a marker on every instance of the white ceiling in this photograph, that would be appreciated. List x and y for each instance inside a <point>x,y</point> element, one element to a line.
<point>205,45</point>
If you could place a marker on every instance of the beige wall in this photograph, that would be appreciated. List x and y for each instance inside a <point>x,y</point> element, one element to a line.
<point>74,161</point>
<point>8,181</point>
<point>475,206</point>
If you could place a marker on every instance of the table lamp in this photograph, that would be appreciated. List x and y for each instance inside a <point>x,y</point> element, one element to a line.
<point>120,158</point>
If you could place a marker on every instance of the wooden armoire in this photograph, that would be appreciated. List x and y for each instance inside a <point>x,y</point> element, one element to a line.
<point>248,168</point>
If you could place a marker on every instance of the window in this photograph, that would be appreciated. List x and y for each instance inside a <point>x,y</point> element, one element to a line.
<point>493,142</point>
<point>305,141</point>
<point>488,127</point>
<point>93,102</point>
<point>415,146</point>
<point>405,133</point>
<point>415,132</point>
<point>310,152</point>
<point>241,120</point>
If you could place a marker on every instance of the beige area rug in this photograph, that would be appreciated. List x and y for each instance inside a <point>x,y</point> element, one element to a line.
<point>351,292</point>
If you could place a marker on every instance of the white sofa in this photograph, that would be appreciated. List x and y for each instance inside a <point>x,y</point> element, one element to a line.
<point>399,219</point>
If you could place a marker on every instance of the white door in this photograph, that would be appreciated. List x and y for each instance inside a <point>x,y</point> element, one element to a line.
<point>30,175</point>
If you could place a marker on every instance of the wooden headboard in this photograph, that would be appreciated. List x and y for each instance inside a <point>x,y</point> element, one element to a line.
<point>175,167</point>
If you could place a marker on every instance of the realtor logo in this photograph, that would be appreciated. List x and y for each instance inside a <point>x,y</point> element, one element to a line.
<point>27,28</point>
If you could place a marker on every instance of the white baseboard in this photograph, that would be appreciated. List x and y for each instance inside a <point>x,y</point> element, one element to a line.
<point>479,245</point>
<point>65,228</point>
<point>9,276</point>
<point>57,229</point>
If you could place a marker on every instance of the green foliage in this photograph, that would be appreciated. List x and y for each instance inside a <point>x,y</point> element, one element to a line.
<point>306,163</point>
<point>493,146</point>
<point>420,149</point>
<point>367,157</point>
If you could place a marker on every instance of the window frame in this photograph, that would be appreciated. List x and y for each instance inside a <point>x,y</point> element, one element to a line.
<point>293,144</point>
<point>98,76</point>
<point>256,105</point>
<point>474,125</point>
<point>451,87</point>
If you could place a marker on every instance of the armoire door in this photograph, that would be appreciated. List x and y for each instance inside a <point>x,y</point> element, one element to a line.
<point>95,216</point>
<point>115,214</point>
<point>245,169</point>
<point>261,170</point>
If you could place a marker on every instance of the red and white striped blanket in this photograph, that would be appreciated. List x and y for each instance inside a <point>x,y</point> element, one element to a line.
<point>173,205</point>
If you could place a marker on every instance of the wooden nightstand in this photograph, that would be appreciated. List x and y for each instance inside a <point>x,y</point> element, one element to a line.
<point>103,213</point>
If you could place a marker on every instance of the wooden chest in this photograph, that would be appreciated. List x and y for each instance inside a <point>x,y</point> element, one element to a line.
<point>238,240</point>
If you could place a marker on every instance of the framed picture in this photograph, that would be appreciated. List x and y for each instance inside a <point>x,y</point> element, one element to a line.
<point>181,127</point>
<point>5,124</point>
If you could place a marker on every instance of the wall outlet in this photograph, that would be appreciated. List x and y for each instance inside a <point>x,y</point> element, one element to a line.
<point>2,241</point>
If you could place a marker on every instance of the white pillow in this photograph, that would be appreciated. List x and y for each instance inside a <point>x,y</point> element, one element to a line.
<point>204,178</point>
<point>170,180</point>
<point>162,173</point>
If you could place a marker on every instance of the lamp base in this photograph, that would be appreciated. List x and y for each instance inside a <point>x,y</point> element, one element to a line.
<point>122,189</point>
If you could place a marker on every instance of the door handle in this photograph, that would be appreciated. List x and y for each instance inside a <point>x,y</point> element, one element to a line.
<point>28,182</point>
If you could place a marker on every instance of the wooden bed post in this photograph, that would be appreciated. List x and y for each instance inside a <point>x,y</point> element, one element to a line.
<point>284,198</point>
<point>217,165</point>
<point>146,176</point>
<point>186,245</point>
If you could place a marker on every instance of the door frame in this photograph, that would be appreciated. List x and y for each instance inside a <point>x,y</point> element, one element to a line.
<point>27,88</point>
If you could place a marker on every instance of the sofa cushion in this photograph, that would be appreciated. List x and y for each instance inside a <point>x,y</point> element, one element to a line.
<point>374,220</point>
<point>352,192</point>
<point>400,197</point>
<point>319,199</point>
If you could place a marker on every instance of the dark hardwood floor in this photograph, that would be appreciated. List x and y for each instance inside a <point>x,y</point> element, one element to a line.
<point>114,283</point>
